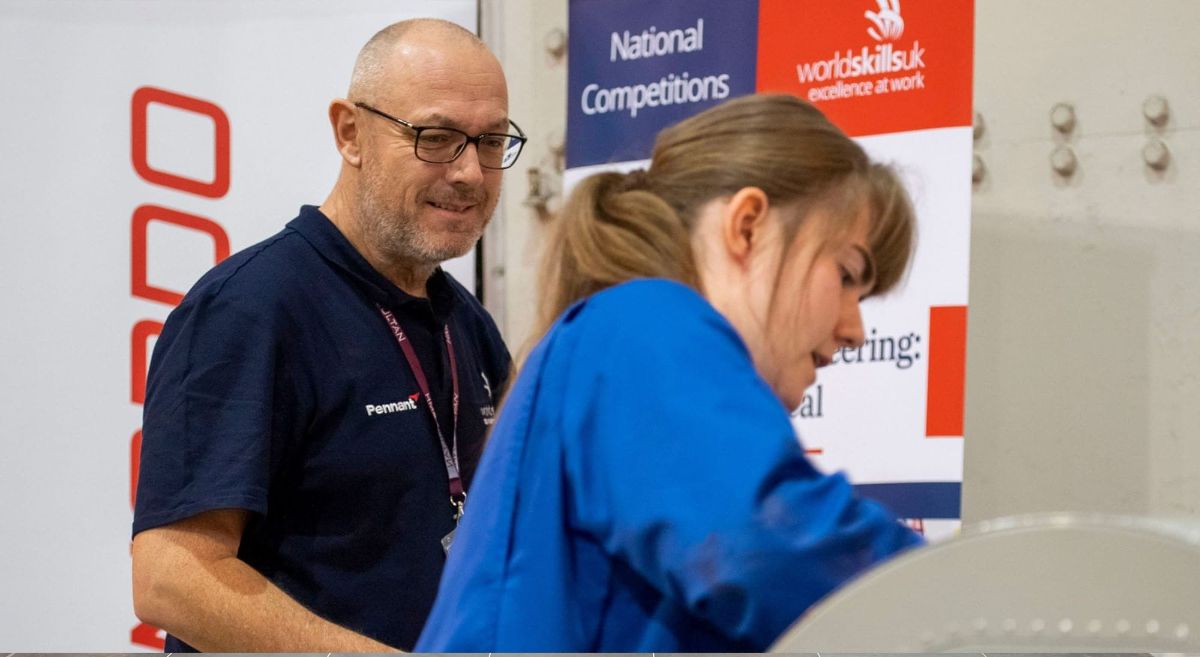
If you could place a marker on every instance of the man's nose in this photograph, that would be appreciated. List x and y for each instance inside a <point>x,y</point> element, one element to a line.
<point>465,168</point>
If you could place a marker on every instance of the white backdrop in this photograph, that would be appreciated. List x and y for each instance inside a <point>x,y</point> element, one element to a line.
<point>69,350</point>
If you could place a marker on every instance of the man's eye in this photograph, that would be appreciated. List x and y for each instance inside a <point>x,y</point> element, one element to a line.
<point>435,139</point>
<point>493,142</point>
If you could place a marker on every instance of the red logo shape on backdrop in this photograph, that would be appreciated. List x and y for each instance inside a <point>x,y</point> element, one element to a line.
<point>149,636</point>
<point>135,466</point>
<point>138,247</point>
<point>215,188</point>
<point>872,66</point>
<point>887,24</point>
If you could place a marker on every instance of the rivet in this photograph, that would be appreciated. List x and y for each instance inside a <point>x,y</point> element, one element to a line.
<point>978,169</point>
<point>1152,627</point>
<point>1123,626</point>
<point>1156,110</point>
<point>1063,161</point>
<point>1065,625</point>
<point>1062,117</point>
<point>1009,625</point>
<point>977,127</point>
<point>1182,631</point>
<point>1037,625</point>
<point>555,43</point>
<point>1095,626</point>
<point>1156,154</point>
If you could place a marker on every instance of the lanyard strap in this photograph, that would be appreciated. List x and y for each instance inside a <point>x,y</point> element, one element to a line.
<point>458,495</point>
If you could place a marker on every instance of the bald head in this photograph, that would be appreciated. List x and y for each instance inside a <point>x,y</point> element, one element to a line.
<point>378,58</point>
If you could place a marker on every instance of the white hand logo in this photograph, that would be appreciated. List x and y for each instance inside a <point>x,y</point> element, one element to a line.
<point>889,25</point>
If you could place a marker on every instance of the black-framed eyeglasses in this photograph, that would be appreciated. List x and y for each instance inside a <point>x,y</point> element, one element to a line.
<point>439,144</point>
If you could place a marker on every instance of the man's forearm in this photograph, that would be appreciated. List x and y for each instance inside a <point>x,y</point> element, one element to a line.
<point>188,580</point>
<point>229,607</point>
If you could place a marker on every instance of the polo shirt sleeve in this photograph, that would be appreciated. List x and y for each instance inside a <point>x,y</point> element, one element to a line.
<point>683,464</point>
<point>206,435</point>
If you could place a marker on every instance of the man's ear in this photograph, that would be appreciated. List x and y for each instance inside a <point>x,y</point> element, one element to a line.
<point>744,222</point>
<point>344,120</point>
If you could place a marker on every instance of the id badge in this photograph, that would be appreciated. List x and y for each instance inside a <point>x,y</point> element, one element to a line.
<point>447,540</point>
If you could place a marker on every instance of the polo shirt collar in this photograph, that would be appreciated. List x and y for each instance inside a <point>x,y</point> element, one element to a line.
<point>319,231</point>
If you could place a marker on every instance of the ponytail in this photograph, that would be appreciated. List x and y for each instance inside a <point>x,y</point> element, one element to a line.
<point>612,228</point>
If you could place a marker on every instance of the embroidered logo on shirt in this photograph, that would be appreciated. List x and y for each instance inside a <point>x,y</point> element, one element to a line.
<point>488,411</point>
<point>489,414</point>
<point>409,404</point>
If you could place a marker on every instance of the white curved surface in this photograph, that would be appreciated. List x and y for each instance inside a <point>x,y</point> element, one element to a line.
<point>1052,583</point>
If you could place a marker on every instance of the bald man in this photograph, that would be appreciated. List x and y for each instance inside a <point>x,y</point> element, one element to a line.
<point>317,403</point>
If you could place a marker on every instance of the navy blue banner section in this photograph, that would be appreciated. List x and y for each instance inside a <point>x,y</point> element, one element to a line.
<point>639,65</point>
<point>928,500</point>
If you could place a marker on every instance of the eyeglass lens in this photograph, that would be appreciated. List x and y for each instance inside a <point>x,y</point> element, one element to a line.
<point>496,151</point>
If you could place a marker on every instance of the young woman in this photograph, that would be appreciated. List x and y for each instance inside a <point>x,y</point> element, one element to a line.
<point>643,489</point>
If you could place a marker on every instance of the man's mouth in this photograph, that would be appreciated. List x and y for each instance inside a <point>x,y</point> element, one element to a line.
<point>820,360</point>
<point>450,206</point>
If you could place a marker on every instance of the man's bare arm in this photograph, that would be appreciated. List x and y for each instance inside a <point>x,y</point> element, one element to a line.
<point>188,580</point>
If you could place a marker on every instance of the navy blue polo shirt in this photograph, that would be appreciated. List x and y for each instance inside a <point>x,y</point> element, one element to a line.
<point>277,387</point>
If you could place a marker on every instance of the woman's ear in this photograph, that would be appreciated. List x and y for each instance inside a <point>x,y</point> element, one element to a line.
<point>743,222</point>
<point>344,121</point>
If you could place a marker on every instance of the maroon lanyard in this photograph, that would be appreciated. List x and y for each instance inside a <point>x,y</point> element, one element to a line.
<point>458,496</point>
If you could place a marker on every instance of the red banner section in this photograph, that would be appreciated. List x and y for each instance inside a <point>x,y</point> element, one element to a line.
<point>947,371</point>
<point>872,66</point>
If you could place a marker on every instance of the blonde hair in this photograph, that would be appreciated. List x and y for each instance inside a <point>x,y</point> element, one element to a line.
<point>617,227</point>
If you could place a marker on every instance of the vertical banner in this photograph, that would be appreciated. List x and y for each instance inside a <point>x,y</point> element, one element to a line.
<point>148,141</point>
<point>895,77</point>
